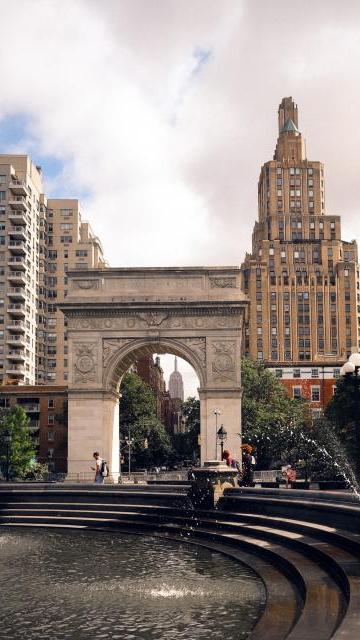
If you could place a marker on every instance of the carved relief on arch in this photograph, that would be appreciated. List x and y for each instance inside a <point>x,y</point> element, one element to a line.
<point>85,362</point>
<point>223,364</point>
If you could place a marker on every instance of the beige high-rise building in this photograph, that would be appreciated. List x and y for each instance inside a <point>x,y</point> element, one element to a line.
<point>20,226</point>
<point>71,244</point>
<point>40,240</point>
<point>301,277</point>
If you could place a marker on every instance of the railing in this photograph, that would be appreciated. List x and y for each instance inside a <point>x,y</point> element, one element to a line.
<point>16,274</point>
<point>16,307</point>
<point>30,408</point>
<point>271,475</point>
<point>15,352</point>
<point>15,290</point>
<point>17,243</point>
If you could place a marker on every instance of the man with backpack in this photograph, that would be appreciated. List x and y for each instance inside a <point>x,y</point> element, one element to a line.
<point>101,470</point>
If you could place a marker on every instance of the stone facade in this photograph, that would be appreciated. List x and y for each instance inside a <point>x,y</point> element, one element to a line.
<point>301,277</point>
<point>197,314</point>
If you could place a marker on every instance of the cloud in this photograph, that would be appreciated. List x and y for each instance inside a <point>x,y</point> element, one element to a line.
<point>160,114</point>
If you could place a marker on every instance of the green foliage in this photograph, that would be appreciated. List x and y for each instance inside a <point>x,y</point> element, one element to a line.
<point>269,416</point>
<point>281,429</point>
<point>22,450</point>
<point>186,445</point>
<point>343,411</point>
<point>151,443</point>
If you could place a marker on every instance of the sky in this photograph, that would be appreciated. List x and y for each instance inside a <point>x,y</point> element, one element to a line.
<point>158,114</point>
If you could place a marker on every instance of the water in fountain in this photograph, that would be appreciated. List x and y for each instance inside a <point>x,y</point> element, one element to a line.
<point>332,454</point>
<point>76,585</point>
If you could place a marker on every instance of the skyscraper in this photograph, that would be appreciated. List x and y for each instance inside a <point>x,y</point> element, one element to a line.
<point>176,385</point>
<point>301,277</point>
<point>40,241</point>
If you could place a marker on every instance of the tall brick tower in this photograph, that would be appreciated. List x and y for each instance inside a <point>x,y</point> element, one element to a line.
<point>301,277</point>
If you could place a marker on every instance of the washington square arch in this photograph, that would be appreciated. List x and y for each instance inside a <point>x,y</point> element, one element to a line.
<point>117,315</point>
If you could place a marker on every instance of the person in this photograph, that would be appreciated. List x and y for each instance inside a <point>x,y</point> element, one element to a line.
<point>99,478</point>
<point>229,461</point>
<point>247,466</point>
<point>289,474</point>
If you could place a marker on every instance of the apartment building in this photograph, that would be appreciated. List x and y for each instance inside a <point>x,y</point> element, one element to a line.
<point>301,277</point>
<point>71,244</point>
<point>20,198</point>
<point>40,240</point>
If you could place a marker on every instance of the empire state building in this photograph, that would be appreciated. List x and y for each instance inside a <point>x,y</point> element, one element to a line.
<point>176,385</point>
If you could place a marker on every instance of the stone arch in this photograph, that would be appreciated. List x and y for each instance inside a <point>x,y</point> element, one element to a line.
<point>116,315</point>
<point>119,354</point>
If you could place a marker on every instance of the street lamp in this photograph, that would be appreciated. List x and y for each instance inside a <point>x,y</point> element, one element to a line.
<point>351,370</point>
<point>129,441</point>
<point>7,440</point>
<point>217,412</point>
<point>222,435</point>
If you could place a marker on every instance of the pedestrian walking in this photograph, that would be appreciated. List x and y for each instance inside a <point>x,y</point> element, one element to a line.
<point>99,468</point>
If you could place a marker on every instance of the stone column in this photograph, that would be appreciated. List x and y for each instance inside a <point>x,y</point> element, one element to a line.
<point>228,401</point>
<point>93,426</point>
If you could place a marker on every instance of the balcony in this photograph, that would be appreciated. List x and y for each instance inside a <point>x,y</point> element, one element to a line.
<point>31,407</point>
<point>16,370</point>
<point>17,263</point>
<point>17,246</point>
<point>17,217</point>
<point>18,232</point>
<point>17,277</point>
<point>18,187</point>
<point>16,355</point>
<point>16,293</point>
<point>17,326</point>
<point>16,341</point>
<point>17,310</point>
<point>18,203</point>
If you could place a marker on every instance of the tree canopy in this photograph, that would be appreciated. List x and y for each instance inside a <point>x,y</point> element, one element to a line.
<point>186,445</point>
<point>280,428</point>
<point>21,448</point>
<point>151,443</point>
<point>343,411</point>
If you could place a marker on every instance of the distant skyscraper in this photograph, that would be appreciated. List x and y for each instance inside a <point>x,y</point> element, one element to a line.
<point>176,385</point>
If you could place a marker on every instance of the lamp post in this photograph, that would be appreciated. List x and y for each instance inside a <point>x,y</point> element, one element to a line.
<point>7,440</point>
<point>351,370</point>
<point>129,441</point>
<point>217,412</point>
<point>222,435</point>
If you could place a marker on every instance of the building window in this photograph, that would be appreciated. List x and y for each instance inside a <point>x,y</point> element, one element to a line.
<point>51,419</point>
<point>316,414</point>
<point>315,394</point>
<point>297,393</point>
<point>278,373</point>
<point>296,373</point>
<point>66,239</point>
<point>336,373</point>
<point>314,373</point>
<point>51,436</point>
<point>51,403</point>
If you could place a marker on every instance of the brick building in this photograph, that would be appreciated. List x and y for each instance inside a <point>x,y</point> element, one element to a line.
<point>46,408</point>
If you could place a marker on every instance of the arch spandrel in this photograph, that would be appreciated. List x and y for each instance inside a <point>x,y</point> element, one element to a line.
<point>120,353</point>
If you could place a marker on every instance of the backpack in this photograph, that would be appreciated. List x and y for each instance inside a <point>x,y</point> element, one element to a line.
<point>104,469</point>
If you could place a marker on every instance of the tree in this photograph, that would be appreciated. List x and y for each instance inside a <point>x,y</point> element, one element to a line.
<point>21,448</point>
<point>151,443</point>
<point>281,428</point>
<point>343,411</point>
<point>186,444</point>
<point>269,416</point>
